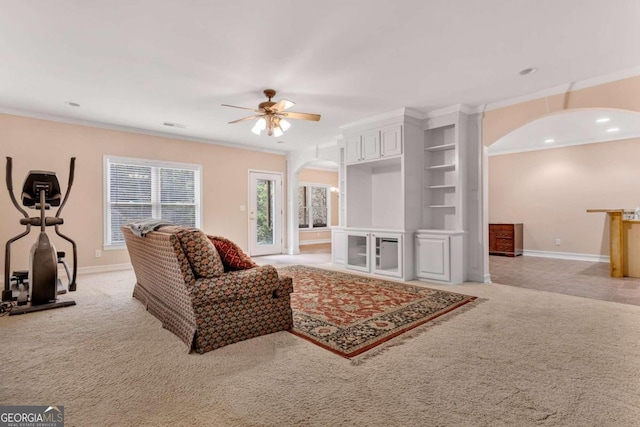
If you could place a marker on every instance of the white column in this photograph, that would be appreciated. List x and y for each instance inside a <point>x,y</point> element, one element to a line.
<point>293,243</point>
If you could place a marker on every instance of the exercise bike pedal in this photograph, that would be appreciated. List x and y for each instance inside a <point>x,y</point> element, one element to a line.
<point>60,288</point>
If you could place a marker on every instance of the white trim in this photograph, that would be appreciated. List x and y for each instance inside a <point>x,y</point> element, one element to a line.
<point>560,89</point>
<point>101,269</point>
<point>102,125</point>
<point>314,242</point>
<point>400,112</point>
<point>567,255</point>
<point>106,217</point>
<point>322,169</point>
<point>151,162</point>
<point>279,204</point>
<point>568,144</point>
<point>463,108</point>
<point>479,278</point>
<point>90,270</point>
<point>311,227</point>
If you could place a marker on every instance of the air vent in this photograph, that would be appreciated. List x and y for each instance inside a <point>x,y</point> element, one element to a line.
<point>174,125</point>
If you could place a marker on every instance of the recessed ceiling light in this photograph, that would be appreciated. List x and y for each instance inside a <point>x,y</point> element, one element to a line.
<point>613,129</point>
<point>174,125</point>
<point>549,140</point>
<point>528,71</point>
<point>72,104</point>
<point>603,120</point>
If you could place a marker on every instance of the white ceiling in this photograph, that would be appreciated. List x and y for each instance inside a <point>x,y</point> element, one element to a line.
<point>573,127</point>
<point>139,63</point>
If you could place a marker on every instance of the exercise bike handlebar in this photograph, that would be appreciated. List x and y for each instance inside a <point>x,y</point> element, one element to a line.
<point>72,169</point>
<point>10,187</point>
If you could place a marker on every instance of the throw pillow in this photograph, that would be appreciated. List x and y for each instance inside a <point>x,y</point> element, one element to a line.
<point>202,255</point>
<point>232,256</point>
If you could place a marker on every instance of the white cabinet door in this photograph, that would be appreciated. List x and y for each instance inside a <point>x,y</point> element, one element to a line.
<point>391,141</point>
<point>386,254</point>
<point>353,149</point>
<point>357,250</point>
<point>338,246</point>
<point>433,259</point>
<point>371,146</point>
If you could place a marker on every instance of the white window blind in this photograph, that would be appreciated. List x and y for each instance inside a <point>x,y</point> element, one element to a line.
<point>138,189</point>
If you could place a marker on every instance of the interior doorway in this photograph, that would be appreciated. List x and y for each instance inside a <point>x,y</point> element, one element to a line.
<point>545,175</point>
<point>318,206</point>
<point>265,213</point>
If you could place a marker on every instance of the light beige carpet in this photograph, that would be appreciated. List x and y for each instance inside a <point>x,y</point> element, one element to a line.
<point>522,358</point>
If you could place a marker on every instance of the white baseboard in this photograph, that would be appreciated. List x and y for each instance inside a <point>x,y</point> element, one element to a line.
<point>567,255</point>
<point>90,270</point>
<point>479,278</point>
<point>104,268</point>
<point>314,242</point>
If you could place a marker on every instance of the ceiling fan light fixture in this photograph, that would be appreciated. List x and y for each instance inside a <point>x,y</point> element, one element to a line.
<point>260,125</point>
<point>271,115</point>
<point>284,125</point>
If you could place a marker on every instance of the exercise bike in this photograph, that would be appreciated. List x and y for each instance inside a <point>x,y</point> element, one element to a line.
<point>38,288</point>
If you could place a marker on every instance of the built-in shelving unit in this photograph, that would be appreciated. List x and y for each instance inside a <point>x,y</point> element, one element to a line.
<point>440,178</point>
<point>406,196</point>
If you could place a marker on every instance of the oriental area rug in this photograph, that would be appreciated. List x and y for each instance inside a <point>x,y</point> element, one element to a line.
<point>350,314</point>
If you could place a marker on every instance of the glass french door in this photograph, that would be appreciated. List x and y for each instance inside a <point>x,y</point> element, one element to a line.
<point>265,213</point>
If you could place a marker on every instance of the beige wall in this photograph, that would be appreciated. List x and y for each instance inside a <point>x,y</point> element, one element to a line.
<point>317,176</point>
<point>41,144</point>
<point>623,94</point>
<point>549,192</point>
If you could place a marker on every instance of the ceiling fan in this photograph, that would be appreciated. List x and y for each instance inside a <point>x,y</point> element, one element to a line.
<point>272,115</point>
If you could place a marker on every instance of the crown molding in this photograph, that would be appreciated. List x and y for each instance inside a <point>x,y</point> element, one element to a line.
<point>462,108</point>
<point>139,131</point>
<point>393,114</point>
<point>561,89</point>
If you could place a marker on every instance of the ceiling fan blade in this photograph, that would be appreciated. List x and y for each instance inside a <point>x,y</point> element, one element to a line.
<point>283,104</point>
<point>244,119</point>
<point>242,108</point>
<point>302,116</point>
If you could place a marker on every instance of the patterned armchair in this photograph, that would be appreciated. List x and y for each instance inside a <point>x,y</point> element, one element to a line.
<point>181,279</point>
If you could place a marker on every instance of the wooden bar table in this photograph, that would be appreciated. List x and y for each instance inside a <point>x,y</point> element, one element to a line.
<point>616,240</point>
<point>631,233</point>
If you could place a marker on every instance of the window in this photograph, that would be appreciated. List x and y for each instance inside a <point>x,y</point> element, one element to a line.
<point>313,206</point>
<point>138,189</point>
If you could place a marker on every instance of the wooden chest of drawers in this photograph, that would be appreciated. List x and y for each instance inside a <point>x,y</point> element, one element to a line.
<point>505,239</point>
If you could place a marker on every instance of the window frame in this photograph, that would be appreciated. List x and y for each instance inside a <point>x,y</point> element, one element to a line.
<point>327,188</point>
<point>155,191</point>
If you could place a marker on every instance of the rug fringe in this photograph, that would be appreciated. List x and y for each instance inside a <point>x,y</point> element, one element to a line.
<point>402,338</point>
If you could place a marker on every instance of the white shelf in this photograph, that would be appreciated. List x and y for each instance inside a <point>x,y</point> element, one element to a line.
<point>442,206</point>
<point>441,186</point>
<point>441,147</point>
<point>441,167</point>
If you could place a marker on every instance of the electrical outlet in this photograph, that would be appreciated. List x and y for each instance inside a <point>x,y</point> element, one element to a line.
<point>558,241</point>
<point>98,253</point>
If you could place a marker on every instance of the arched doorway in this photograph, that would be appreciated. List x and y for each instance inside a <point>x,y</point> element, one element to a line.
<point>546,173</point>
<point>318,205</point>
